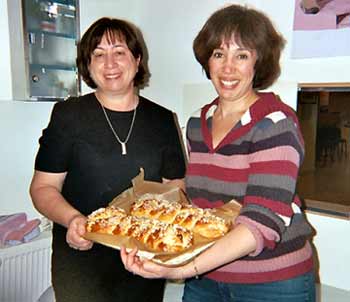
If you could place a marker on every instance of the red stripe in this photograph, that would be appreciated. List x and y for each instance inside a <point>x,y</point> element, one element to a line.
<point>218,173</point>
<point>260,277</point>
<point>278,167</point>
<point>275,205</point>
<point>204,203</point>
<point>297,201</point>
<point>270,244</point>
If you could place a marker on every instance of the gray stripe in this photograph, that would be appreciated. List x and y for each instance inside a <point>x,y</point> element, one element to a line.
<point>195,193</point>
<point>257,134</point>
<point>283,126</point>
<point>299,227</point>
<point>216,186</point>
<point>273,181</point>
<point>195,134</point>
<point>266,212</point>
<point>281,195</point>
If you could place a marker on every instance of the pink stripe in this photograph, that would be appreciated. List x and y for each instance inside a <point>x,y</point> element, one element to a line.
<point>277,263</point>
<point>282,274</point>
<point>282,153</point>
<point>224,161</point>
<point>278,153</point>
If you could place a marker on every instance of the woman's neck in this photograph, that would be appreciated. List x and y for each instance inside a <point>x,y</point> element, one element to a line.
<point>125,102</point>
<point>227,108</point>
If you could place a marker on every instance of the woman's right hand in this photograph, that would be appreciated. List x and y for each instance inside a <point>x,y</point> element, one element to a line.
<point>76,231</point>
<point>148,269</point>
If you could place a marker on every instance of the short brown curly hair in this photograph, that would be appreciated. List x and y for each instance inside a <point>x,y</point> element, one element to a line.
<point>120,29</point>
<point>251,29</point>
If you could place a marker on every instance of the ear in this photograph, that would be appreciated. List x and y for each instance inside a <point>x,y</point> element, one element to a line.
<point>138,60</point>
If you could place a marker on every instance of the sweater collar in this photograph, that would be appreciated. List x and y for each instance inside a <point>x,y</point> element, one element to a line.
<point>267,103</point>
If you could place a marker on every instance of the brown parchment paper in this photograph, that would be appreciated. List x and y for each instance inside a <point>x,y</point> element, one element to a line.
<point>142,189</point>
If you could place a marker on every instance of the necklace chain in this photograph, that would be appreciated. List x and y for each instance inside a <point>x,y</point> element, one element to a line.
<point>122,143</point>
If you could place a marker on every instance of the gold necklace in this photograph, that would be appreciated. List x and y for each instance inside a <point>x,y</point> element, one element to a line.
<point>122,143</point>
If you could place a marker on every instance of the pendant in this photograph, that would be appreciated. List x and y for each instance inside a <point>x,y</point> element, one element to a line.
<point>123,148</point>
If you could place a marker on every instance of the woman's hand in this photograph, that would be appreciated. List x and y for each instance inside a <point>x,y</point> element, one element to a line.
<point>76,231</point>
<point>147,268</point>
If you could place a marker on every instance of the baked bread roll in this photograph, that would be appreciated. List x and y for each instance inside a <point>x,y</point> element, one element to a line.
<point>156,235</point>
<point>201,221</point>
<point>103,220</point>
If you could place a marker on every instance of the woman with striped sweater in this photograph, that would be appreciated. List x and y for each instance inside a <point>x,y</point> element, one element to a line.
<point>244,145</point>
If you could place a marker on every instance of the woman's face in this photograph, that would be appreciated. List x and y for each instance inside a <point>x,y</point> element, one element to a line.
<point>113,67</point>
<point>231,69</point>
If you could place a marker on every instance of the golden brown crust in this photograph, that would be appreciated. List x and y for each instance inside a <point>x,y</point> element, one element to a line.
<point>103,219</point>
<point>201,221</point>
<point>156,235</point>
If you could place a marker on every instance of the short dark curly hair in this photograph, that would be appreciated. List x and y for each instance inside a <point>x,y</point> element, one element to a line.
<point>251,29</point>
<point>114,28</point>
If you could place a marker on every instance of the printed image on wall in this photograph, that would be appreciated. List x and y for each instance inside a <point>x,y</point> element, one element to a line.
<point>321,28</point>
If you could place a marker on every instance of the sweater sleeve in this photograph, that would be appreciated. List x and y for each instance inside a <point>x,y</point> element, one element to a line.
<point>270,202</point>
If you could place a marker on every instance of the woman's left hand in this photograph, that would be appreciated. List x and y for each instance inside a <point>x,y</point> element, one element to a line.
<point>147,268</point>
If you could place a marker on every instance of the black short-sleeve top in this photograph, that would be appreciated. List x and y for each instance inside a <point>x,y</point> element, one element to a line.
<point>79,141</point>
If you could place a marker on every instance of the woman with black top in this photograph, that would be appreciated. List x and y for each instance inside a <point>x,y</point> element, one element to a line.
<point>90,151</point>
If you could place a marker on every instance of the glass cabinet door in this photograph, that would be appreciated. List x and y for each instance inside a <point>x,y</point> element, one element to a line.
<point>51,31</point>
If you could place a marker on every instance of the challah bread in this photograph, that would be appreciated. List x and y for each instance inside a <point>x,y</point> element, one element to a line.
<point>201,221</point>
<point>103,220</point>
<point>156,235</point>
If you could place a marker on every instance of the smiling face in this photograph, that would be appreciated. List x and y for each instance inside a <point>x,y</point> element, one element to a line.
<point>113,66</point>
<point>231,69</point>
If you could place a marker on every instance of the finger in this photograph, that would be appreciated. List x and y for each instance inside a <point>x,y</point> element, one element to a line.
<point>81,229</point>
<point>86,245</point>
<point>131,258</point>
<point>123,255</point>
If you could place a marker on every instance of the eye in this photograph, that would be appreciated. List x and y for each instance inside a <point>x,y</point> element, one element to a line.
<point>217,54</point>
<point>242,56</point>
<point>119,51</point>
<point>97,54</point>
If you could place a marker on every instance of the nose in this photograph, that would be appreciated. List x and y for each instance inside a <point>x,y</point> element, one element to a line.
<point>229,65</point>
<point>110,60</point>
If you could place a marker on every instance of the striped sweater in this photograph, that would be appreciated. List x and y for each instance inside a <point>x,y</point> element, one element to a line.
<point>256,164</point>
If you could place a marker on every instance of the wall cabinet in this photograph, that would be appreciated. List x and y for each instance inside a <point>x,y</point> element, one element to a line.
<point>43,37</point>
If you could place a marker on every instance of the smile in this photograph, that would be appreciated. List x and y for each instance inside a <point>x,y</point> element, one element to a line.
<point>228,83</point>
<point>112,76</point>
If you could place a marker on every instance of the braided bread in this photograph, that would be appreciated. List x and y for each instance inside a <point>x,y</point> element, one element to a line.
<point>201,221</point>
<point>156,235</point>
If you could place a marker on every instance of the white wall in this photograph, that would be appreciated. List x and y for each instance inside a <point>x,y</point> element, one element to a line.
<point>333,250</point>
<point>5,67</point>
<point>20,128</point>
<point>177,82</point>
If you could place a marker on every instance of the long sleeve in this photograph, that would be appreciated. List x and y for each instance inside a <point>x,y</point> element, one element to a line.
<point>270,202</point>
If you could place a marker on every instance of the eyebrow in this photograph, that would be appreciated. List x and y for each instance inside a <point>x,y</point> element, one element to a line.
<point>113,46</point>
<point>239,48</point>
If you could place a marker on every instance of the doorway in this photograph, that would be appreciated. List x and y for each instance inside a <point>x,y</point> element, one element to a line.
<point>324,115</point>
